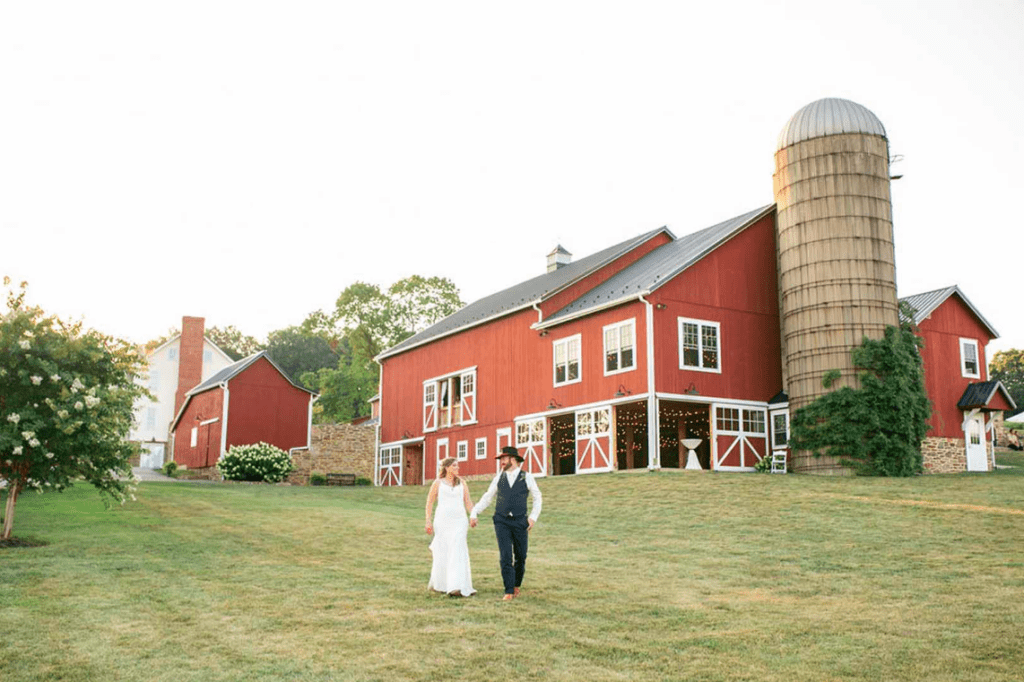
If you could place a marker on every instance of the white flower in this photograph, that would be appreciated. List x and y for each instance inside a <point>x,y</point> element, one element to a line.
<point>63,414</point>
<point>34,442</point>
<point>79,405</point>
<point>17,450</point>
<point>36,380</point>
<point>49,455</point>
<point>91,401</point>
<point>14,417</point>
<point>54,377</point>
<point>28,333</point>
<point>25,345</point>
<point>28,435</point>
<point>77,385</point>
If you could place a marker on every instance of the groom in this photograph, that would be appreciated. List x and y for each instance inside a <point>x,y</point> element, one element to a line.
<point>511,524</point>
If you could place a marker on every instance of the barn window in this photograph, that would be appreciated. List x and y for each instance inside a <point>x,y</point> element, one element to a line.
<point>462,451</point>
<point>780,430</point>
<point>619,355</point>
<point>195,436</point>
<point>567,360</point>
<point>449,400</point>
<point>481,448</point>
<point>699,345</point>
<point>969,358</point>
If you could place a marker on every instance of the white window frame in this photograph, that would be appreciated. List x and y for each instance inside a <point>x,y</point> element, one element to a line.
<point>462,451</point>
<point>461,410</point>
<point>617,330</point>
<point>442,454</point>
<point>963,358</point>
<point>701,324</point>
<point>772,417</point>
<point>480,448</point>
<point>195,436</point>
<point>567,342</point>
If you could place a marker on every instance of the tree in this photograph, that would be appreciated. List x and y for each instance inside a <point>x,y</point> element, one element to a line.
<point>367,321</point>
<point>66,405</point>
<point>233,342</point>
<point>229,339</point>
<point>878,428</point>
<point>297,352</point>
<point>1007,366</point>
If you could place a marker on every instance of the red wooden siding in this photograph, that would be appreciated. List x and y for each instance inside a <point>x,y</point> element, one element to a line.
<point>264,406</point>
<point>202,407</point>
<point>735,285</point>
<point>943,378</point>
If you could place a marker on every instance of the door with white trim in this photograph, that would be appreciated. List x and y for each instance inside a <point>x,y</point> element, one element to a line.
<point>740,437</point>
<point>531,439</point>
<point>974,436</point>
<point>502,438</point>
<point>389,468</point>
<point>442,454</point>
<point>594,440</point>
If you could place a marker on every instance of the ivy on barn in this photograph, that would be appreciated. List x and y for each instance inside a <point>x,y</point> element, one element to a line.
<point>876,429</point>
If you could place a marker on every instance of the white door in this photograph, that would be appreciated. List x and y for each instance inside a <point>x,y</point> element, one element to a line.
<point>152,456</point>
<point>977,457</point>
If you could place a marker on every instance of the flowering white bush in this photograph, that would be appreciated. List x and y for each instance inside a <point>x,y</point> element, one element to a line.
<point>50,436</point>
<point>258,462</point>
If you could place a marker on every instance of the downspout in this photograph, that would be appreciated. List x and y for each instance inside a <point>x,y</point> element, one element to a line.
<point>540,313</point>
<point>224,423</point>
<point>653,456</point>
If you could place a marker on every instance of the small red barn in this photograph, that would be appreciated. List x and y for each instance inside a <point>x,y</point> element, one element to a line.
<point>248,402</point>
<point>956,377</point>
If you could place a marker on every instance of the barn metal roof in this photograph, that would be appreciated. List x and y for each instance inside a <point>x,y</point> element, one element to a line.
<point>522,295</point>
<point>980,393</point>
<point>829,116</point>
<point>926,303</point>
<point>656,268</point>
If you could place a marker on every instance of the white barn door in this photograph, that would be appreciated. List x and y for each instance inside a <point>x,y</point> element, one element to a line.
<point>594,440</point>
<point>531,439</point>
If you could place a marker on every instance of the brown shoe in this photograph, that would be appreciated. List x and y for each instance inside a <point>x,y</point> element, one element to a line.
<point>507,597</point>
<point>515,593</point>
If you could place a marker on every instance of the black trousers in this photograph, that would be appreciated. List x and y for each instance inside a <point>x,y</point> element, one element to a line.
<point>513,541</point>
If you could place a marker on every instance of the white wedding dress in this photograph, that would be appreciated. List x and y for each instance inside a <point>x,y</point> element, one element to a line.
<point>450,571</point>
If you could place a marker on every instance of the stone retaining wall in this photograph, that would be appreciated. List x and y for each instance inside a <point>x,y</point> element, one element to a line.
<point>336,449</point>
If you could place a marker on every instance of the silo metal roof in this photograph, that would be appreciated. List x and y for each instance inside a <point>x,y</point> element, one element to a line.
<point>829,116</point>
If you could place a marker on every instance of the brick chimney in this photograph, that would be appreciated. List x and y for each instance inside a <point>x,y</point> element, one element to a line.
<point>190,358</point>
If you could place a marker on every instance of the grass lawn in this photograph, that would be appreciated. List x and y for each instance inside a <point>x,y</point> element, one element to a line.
<point>665,576</point>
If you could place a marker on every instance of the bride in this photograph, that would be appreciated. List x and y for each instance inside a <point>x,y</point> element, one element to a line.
<point>450,572</point>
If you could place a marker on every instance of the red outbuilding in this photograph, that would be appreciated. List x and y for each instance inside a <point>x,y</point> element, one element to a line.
<point>248,402</point>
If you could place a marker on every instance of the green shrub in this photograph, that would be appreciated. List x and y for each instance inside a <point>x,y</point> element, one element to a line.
<point>317,479</point>
<point>258,462</point>
<point>363,481</point>
<point>169,468</point>
<point>764,465</point>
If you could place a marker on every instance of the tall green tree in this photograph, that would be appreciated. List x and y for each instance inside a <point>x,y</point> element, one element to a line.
<point>229,339</point>
<point>876,429</point>
<point>298,352</point>
<point>66,405</point>
<point>1007,366</point>
<point>365,322</point>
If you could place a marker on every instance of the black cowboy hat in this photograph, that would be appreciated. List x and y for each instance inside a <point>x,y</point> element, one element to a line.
<point>509,451</point>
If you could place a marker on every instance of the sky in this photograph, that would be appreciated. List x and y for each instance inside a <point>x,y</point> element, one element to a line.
<point>247,161</point>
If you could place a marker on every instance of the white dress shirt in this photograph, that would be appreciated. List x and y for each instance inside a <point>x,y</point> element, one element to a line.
<point>485,501</point>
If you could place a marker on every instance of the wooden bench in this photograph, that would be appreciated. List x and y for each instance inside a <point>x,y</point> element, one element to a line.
<point>341,479</point>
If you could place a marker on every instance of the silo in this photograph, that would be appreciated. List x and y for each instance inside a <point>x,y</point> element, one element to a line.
<point>837,274</point>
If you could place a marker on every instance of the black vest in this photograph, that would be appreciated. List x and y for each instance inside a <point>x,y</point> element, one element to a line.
<point>511,500</point>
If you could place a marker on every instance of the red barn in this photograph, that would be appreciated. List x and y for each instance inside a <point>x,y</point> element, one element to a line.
<point>248,402</point>
<point>666,352</point>
<point>956,376</point>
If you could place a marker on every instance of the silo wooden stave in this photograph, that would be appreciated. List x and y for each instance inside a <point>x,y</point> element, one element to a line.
<point>837,275</point>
